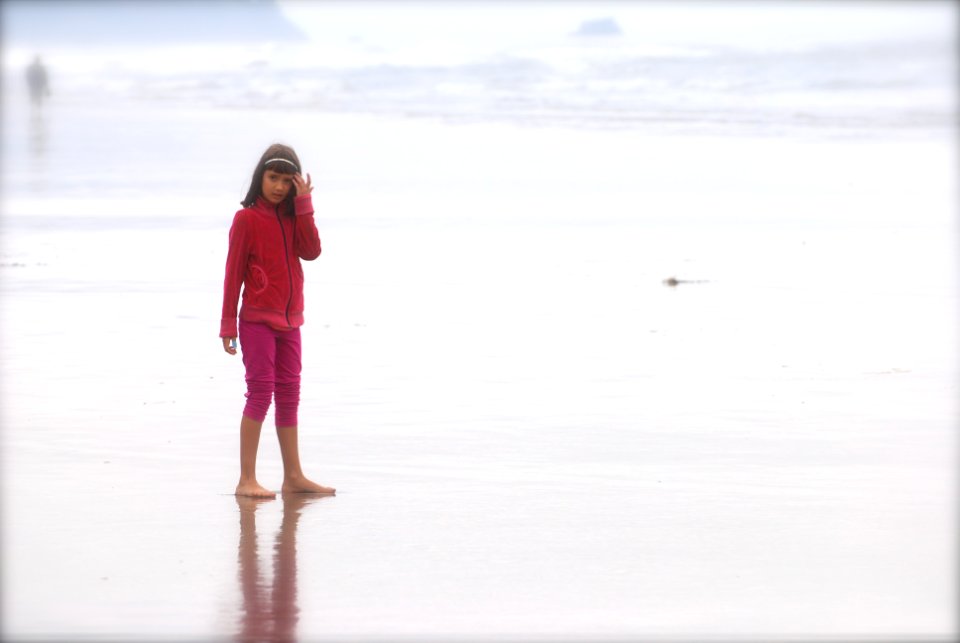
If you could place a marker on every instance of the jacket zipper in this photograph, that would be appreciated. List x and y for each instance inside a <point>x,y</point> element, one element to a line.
<point>286,254</point>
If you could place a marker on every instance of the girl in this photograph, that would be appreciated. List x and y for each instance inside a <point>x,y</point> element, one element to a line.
<point>269,236</point>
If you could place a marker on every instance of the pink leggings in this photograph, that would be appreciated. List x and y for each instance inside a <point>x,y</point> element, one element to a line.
<point>272,360</point>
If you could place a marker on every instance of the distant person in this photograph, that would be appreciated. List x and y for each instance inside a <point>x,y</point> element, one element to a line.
<point>268,238</point>
<point>37,81</point>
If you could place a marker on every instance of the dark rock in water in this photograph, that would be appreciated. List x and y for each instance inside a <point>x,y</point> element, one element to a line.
<point>38,23</point>
<point>599,27</point>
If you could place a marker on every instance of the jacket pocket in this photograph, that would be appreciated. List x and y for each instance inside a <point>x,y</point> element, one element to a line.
<point>257,279</point>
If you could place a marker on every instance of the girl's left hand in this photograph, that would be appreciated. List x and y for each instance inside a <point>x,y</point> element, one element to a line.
<point>303,187</point>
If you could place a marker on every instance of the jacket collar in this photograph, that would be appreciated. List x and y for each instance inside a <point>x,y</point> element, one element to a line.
<point>263,204</point>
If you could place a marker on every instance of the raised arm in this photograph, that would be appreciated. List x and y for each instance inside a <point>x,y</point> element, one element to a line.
<point>306,239</point>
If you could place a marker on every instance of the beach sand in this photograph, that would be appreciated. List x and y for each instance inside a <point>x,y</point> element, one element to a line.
<point>531,435</point>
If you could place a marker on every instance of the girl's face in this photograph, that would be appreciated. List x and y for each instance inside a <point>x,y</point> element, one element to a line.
<point>276,186</point>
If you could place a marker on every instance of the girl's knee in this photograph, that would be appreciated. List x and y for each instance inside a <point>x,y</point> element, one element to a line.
<point>287,395</point>
<point>260,386</point>
<point>259,394</point>
<point>287,391</point>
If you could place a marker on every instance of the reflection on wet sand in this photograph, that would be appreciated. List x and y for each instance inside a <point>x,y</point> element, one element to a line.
<point>38,134</point>
<point>270,613</point>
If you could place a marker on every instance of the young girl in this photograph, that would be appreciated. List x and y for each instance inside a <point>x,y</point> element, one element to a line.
<point>269,236</point>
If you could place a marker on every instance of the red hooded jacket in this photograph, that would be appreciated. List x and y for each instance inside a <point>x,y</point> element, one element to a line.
<point>264,255</point>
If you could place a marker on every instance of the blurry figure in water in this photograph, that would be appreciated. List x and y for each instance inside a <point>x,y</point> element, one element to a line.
<point>37,81</point>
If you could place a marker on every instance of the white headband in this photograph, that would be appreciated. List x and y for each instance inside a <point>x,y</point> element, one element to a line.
<point>284,160</point>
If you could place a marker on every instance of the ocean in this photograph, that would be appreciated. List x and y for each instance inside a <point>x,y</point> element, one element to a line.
<point>533,434</point>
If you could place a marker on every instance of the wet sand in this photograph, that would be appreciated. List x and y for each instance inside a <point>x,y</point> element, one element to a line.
<point>531,436</point>
<point>666,481</point>
<point>572,535</point>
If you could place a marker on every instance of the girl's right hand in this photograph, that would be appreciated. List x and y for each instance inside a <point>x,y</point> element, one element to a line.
<point>230,344</point>
<point>302,187</point>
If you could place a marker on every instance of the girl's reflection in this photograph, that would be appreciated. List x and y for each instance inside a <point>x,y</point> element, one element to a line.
<point>270,613</point>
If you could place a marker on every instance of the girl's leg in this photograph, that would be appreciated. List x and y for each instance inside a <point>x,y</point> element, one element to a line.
<point>259,354</point>
<point>249,443</point>
<point>288,400</point>
<point>293,479</point>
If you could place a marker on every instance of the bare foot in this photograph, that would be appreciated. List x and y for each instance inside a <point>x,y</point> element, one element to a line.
<point>303,485</point>
<point>253,490</point>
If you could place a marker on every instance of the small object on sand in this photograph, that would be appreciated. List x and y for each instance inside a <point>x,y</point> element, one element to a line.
<point>673,281</point>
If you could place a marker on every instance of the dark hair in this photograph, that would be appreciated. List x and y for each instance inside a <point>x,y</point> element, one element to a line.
<point>285,156</point>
